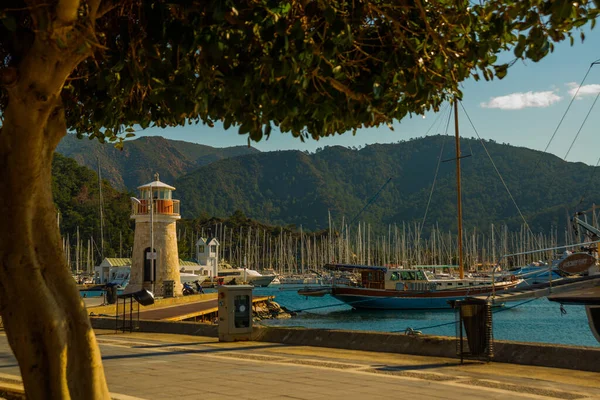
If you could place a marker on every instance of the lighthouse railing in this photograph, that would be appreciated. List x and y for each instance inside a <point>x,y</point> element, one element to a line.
<point>166,207</point>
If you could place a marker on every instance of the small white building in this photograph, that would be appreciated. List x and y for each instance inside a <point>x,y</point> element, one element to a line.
<point>112,270</point>
<point>118,271</point>
<point>207,254</point>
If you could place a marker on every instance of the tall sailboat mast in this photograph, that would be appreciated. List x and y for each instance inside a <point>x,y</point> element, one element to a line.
<point>101,211</point>
<point>458,192</point>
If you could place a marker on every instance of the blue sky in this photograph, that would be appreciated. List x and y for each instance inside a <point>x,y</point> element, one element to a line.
<point>522,109</point>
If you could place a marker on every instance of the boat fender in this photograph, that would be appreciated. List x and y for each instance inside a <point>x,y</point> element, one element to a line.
<point>411,332</point>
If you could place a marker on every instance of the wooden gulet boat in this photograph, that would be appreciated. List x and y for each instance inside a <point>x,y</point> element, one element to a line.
<point>400,289</point>
<point>411,289</point>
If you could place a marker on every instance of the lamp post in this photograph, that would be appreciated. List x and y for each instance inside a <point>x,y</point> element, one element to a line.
<point>152,252</point>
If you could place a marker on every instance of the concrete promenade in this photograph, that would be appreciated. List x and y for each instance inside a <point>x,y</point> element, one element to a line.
<point>163,366</point>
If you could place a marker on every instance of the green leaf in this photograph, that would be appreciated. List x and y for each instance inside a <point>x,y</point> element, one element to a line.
<point>227,123</point>
<point>377,90</point>
<point>438,62</point>
<point>501,70</point>
<point>118,67</point>
<point>329,15</point>
<point>244,128</point>
<point>10,23</point>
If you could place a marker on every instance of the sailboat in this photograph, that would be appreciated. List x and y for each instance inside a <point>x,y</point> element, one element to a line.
<point>414,289</point>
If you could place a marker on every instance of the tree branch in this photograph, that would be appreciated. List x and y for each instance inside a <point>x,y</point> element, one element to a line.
<point>340,87</point>
<point>66,11</point>
<point>104,9</point>
<point>99,7</point>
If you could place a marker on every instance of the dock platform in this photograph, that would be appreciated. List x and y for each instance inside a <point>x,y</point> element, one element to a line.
<point>202,310</point>
<point>584,297</point>
<point>545,289</point>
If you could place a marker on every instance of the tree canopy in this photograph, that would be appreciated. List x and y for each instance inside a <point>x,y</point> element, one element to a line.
<point>312,68</point>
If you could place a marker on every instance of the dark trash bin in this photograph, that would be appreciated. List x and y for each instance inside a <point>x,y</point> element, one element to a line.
<point>474,329</point>
<point>111,293</point>
<point>474,322</point>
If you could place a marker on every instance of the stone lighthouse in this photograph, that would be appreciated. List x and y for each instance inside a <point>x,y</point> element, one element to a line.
<point>155,257</point>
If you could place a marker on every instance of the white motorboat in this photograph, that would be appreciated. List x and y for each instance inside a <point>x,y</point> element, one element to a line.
<point>295,282</point>
<point>228,276</point>
<point>275,282</point>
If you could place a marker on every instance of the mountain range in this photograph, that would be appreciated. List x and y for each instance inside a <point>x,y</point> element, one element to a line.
<point>140,158</point>
<point>294,187</point>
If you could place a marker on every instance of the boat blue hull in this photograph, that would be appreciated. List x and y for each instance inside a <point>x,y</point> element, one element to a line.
<point>396,303</point>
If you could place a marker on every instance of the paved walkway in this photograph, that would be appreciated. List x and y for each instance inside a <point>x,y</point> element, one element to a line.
<point>161,366</point>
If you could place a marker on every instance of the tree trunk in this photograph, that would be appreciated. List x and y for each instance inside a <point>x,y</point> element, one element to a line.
<point>45,318</point>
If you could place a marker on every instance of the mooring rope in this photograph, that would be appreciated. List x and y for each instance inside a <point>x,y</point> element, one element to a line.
<point>437,169</point>
<point>407,330</point>
<point>581,127</point>
<point>565,114</point>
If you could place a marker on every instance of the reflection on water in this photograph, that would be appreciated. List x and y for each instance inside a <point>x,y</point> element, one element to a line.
<point>536,321</point>
<point>370,315</point>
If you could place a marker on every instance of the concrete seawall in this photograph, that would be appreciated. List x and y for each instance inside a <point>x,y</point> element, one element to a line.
<point>547,355</point>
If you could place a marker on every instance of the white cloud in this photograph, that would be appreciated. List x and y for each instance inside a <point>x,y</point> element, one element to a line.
<point>585,90</point>
<point>518,101</point>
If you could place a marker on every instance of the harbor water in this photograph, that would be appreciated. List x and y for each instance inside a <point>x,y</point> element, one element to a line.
<point>534,321</point>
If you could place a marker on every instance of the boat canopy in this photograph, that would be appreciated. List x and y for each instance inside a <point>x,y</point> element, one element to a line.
<point>352,267</point>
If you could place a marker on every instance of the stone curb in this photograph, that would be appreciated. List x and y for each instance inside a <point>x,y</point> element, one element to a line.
<point>12,385</point>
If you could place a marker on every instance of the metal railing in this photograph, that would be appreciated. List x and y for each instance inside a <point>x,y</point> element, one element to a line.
<point>164,207</point>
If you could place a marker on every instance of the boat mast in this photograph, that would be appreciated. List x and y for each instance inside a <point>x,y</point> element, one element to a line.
<point>101,211</point>
<point>458,191</point>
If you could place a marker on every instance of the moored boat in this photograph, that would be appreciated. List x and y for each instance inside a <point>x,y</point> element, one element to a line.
<point>228,276</point>
<point>295,282</point>
<point>412,289</point>
<point>568,264</point>
<point>187,277</point>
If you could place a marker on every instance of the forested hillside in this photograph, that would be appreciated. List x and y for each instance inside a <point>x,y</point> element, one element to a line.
<point>140,158</point>
<point>77,198</point>
<point>296,188</point>
<point>292,187</point>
